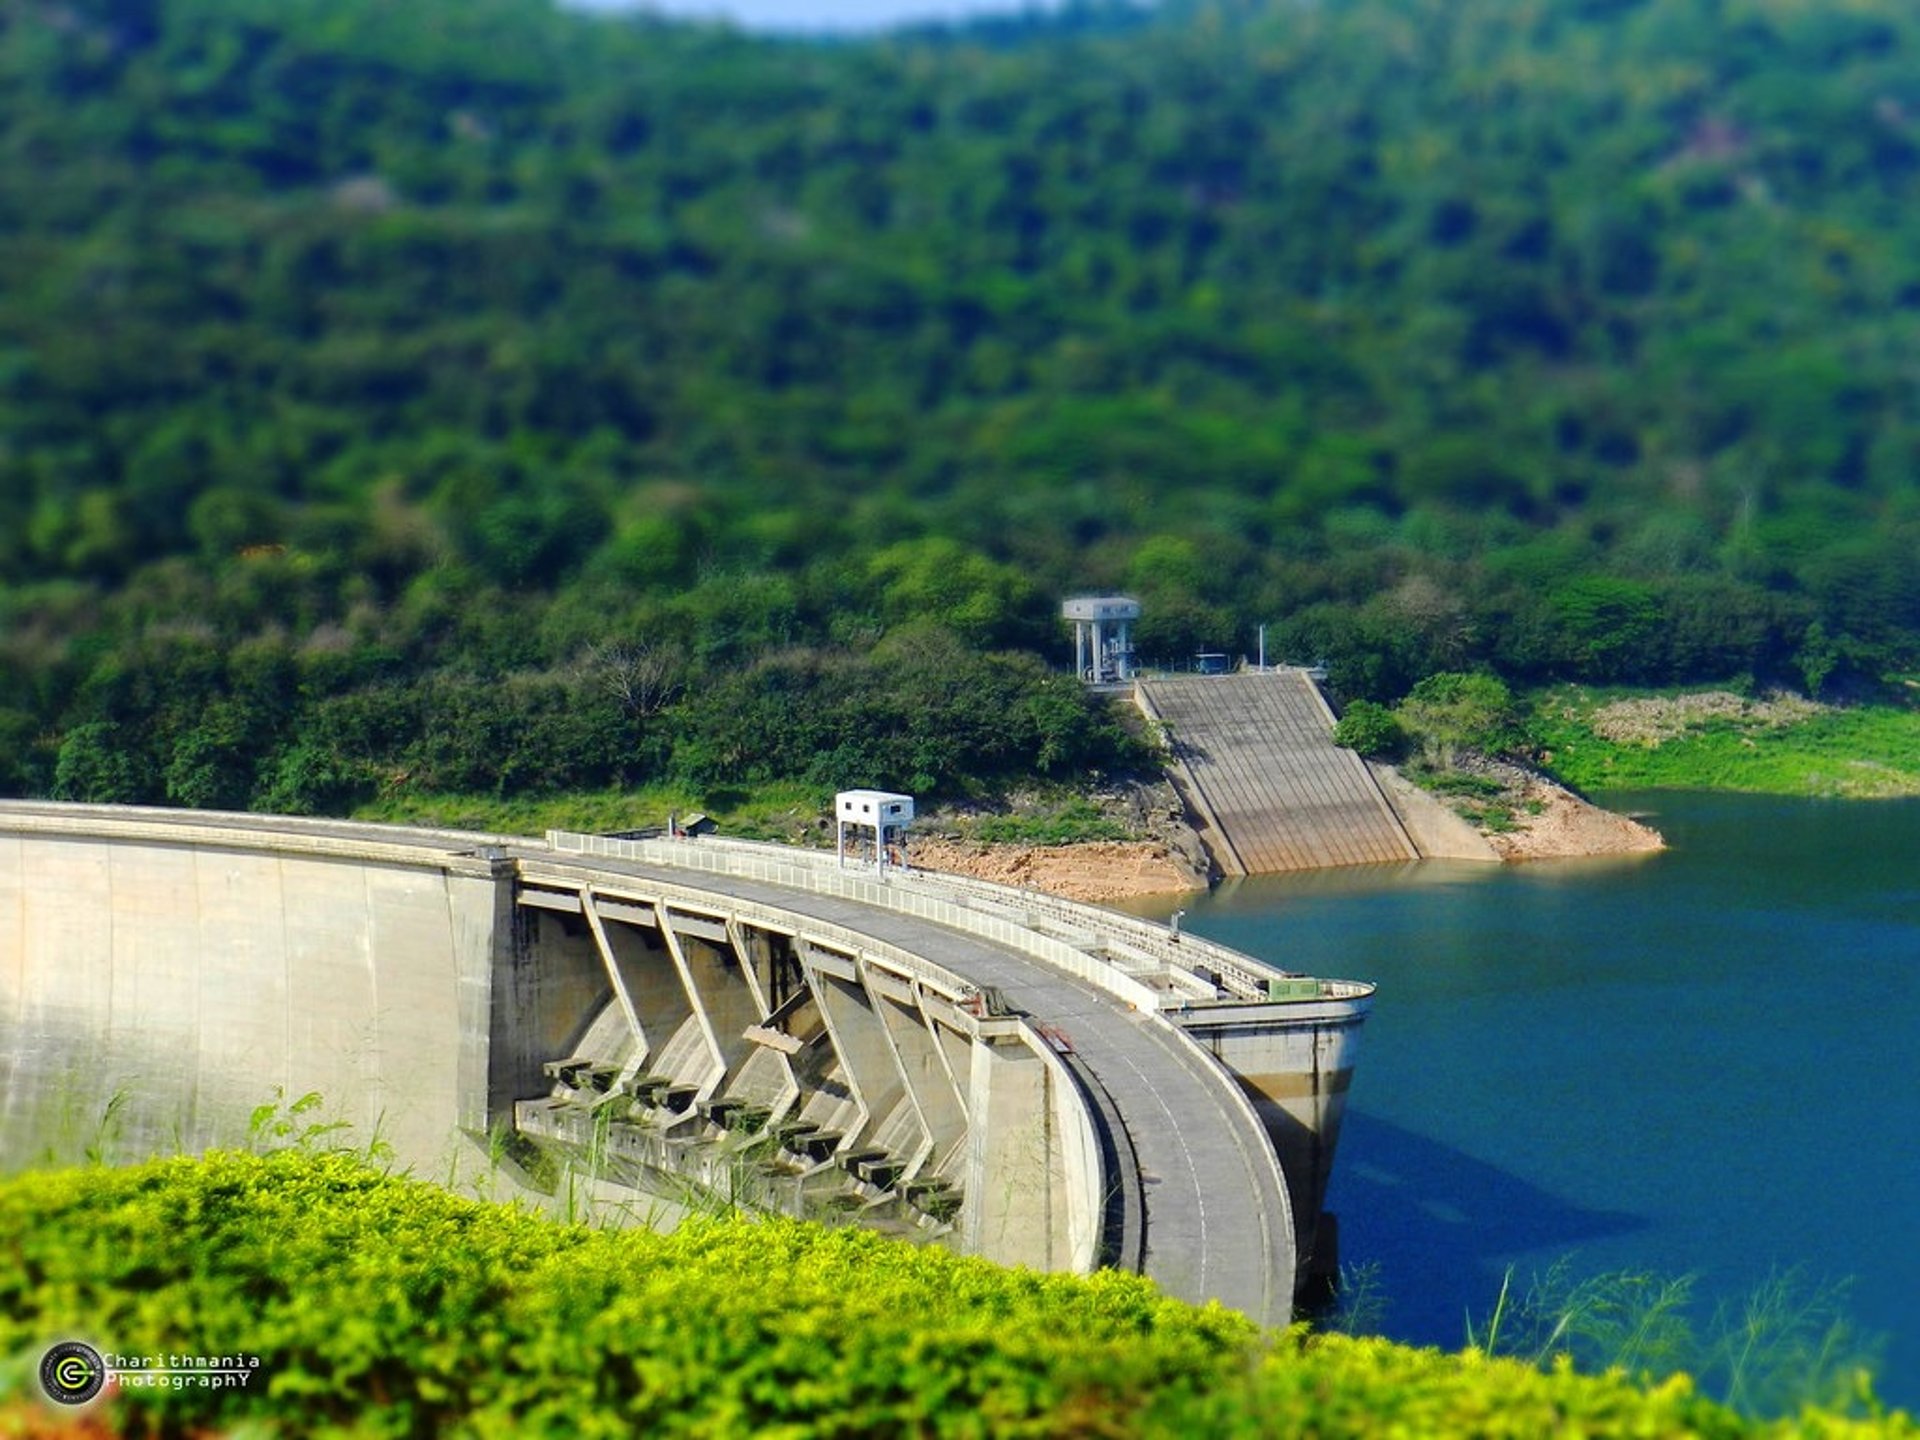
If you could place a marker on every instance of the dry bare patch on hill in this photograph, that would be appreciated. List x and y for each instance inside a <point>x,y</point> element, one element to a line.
<point>1652,719</point>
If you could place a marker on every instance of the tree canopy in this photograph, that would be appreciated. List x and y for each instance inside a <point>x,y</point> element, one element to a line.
<point>367,369</point>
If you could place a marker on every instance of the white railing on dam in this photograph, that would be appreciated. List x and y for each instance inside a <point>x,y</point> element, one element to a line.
<point>909,894</point>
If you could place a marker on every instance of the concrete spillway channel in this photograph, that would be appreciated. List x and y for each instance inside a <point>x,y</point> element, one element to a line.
<point>962,1063</point>
<point>1255,762</point>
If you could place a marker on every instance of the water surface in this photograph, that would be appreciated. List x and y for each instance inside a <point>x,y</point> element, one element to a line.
<point>1698,1062</point>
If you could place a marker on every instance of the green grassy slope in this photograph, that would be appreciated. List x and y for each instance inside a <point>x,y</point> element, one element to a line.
<point>1718,741</point>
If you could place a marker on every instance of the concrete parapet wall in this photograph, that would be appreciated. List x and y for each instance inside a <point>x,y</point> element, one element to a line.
<point>1008,923</point>
<point>1034,1144</point>
<point>1132,941</point>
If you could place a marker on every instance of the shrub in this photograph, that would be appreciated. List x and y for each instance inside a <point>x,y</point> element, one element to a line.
<point>101,764</point>
<point>1369,729</point>
<point>1452,712</point>
<point>1074,823</point>
<point>385,1306</point>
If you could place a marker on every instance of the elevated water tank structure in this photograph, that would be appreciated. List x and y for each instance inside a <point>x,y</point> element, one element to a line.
<point>1102,637</point>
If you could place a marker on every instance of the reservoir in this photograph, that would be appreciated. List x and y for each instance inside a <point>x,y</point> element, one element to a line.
<point>1700,1062</point>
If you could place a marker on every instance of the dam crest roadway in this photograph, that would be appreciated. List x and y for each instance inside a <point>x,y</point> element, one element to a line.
<point>1006,1073</point>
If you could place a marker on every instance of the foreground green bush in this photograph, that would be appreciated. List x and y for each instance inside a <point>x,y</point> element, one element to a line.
<point>381,1306</point>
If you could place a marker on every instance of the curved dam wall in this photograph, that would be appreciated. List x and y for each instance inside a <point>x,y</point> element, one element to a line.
<point>997,1071</point>
<point>186,972</point>
<point>164,975</point>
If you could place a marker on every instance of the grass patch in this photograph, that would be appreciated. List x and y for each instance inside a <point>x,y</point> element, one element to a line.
<point>1867,751</point>
<point>1495,819</point>
<point>1071,822</point>
<point>1785,1347</point>
<point>1458,784</point>
<point>784,811</point>
<point>1482,801</point>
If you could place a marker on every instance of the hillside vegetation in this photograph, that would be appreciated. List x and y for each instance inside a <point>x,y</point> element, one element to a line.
<point>475,396</point>
<point>379,1306</point>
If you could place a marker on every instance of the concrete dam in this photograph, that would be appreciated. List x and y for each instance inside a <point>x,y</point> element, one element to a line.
<point>1009,1074</point>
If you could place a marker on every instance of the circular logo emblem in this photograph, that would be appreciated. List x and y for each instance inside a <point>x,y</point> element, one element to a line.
<point>72,1373</point>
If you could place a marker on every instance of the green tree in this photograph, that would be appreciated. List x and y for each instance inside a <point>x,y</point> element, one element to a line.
<point>212,764</point>
<point>1604,628</point>
<point>938,580</point>
<point>103,765</point>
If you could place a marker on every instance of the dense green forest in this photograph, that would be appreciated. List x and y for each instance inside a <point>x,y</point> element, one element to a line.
<point>473,395</point>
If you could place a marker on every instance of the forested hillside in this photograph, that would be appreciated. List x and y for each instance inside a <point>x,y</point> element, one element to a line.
<point>472,395</point>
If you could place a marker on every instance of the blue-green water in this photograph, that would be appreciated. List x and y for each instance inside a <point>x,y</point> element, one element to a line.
<point>1698,1062</point>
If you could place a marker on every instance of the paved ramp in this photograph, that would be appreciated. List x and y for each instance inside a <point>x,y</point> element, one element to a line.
<point>1257,765</point>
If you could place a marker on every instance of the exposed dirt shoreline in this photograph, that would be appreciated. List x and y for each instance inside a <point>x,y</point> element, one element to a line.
<point>1550,822</point>
<point>1096,871</point>
<point>1565,826</point>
